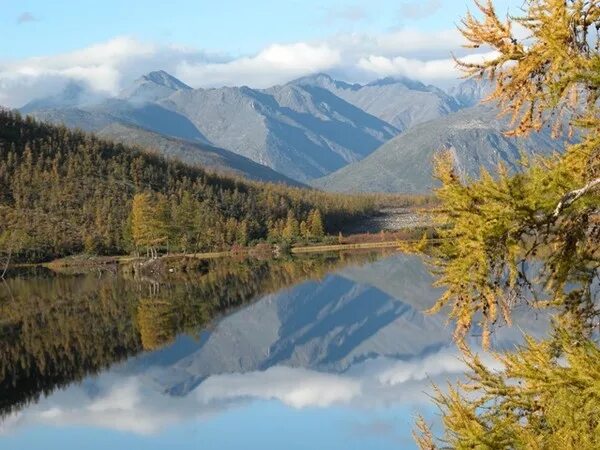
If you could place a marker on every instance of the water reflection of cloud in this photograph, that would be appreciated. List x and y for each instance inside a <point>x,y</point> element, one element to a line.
<point>443,363</point>
<point>135,403</point>
<point>316,328</point>
<point>295,387</point>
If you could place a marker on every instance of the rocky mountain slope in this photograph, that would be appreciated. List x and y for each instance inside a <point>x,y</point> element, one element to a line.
<point>400,102</point>
<point>404,164</point>
<point>302,132</point>
<point>153,86</point>
<point>338,136</point>
<point>135,120</point>
<point>204,155</point>
<point>471,92</point>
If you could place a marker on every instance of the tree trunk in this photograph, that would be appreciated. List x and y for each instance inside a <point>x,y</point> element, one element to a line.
<point>571,197</point>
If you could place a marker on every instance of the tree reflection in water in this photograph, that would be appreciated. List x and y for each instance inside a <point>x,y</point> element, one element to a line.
<point>56,329</point>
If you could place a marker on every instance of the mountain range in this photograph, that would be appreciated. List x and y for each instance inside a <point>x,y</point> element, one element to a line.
<point>315,130</point>
<point>404,164</point>
<point>401,102</point>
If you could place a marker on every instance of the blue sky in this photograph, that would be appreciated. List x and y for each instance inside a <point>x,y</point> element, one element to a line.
<point>268,42</point>
<point>233,26</point>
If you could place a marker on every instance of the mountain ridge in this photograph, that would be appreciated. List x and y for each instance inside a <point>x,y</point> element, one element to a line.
<point>400,101</point>
<point>299,132</point>
<point>404,164</point>
<point>306,130</point>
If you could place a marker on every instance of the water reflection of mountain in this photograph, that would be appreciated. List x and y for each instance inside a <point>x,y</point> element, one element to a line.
<point>58,329</point>
<point>356,336</point>
<point>356,315</point>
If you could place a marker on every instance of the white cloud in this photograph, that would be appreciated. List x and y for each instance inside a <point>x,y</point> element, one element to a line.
<point>432,70</point>
<point>103,68</point>
<point>298,388</point>
<point>97,65</point>
<point>442,363</point>
<point>415,41</point>
<point>109,66</point>
<point>275,64</point>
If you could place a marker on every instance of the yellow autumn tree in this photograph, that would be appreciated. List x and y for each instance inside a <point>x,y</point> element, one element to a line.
<point>315,224</point>
<point>149,221</point>
<point>292,227</point>
<point>494,228</point>
<point>528,238</point>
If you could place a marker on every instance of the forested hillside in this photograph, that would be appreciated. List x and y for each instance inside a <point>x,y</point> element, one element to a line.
<point>64,192</point>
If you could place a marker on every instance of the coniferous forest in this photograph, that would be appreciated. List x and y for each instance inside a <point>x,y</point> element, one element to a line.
<point>65,192</point>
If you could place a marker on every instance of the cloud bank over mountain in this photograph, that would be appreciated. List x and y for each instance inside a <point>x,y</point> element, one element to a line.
<point>105,68</point>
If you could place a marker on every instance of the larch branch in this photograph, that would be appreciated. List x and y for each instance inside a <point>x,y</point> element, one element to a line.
<point>571,197</point>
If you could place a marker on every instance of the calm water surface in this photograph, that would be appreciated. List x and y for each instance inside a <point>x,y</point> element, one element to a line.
<point>328,352</point>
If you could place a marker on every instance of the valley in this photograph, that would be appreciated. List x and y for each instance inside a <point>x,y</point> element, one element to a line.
<point>293,225</point>
<point>311,133</point>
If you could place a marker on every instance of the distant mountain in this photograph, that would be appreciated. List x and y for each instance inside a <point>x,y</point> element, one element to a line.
<point>133,107</point>
<point>471,92</point>
<point>303,132</point>
<point>400,102</point>
<point>212,158</point>
<point>152,126</point>
<point>73,94</point>
<point>154,86</point>
<point>134,118</point>
<point>404,164</point>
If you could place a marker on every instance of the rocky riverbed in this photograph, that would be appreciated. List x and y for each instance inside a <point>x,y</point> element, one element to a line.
<point>390,219</point>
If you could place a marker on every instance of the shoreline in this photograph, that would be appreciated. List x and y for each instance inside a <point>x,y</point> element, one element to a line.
<point>99,261</point>
<point>383,235</point>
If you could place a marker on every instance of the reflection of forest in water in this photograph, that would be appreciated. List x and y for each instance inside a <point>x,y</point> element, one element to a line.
<point>56,329</point>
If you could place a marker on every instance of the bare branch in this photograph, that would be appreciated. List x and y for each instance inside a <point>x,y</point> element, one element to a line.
<point>6,265</point>
<point>571,197</point>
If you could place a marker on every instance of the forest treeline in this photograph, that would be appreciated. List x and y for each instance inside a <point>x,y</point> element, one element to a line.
<point>65,192</point>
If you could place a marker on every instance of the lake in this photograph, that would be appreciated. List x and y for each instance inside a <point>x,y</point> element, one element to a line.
<point>323,352</point>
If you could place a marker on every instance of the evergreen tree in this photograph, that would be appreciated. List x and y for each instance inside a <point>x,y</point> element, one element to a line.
<point>315,224</point>
<point>292,227</point>
<point>304,230</point>
<point>185,227</point>
<point>69,192</point>
<point>540,400</point>
<point>241,236</point>
<point>530,238</point>
<point>149,221</point>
